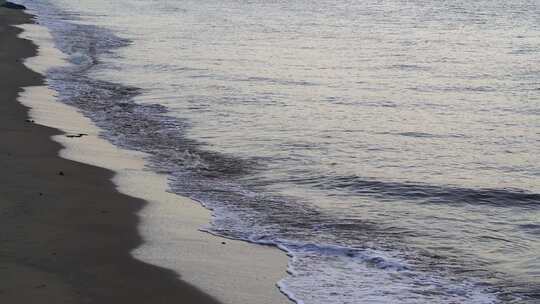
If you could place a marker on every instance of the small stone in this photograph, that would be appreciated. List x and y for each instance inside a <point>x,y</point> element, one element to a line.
<point>61,173</point>
<point>223,243</point>
<point>76,135</point>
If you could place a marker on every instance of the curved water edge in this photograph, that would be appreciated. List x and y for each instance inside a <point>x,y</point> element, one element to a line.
<point>335,255</point>
<point>169,223</point>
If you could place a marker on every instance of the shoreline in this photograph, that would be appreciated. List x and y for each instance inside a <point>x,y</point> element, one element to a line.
<point>76,233</point>
<point>58,242</point>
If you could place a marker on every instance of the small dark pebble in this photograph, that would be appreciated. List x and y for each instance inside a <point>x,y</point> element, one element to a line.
<point>61,173</point>
<point>30,120</point>
<point>223,243</point>
<point>76,135</point>
<point>40,194</point>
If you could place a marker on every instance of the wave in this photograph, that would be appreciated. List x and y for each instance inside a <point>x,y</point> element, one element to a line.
<point>424,193</point>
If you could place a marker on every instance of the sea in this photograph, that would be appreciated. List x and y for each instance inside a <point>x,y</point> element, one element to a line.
<point>390,147</point>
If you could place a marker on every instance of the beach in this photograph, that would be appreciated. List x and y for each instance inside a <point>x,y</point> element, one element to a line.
<point>269,152</point>
<point>69,234</point>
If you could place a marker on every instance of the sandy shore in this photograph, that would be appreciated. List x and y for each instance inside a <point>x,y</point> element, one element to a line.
<point>69,236</point>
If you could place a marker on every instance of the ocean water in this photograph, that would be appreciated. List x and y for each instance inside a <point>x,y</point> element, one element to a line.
<point>391,148</point>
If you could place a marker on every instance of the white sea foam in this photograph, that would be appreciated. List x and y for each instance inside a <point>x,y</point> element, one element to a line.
<point>79,58</point>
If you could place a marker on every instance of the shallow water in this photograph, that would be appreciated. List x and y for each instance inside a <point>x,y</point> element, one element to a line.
<point>390,147</point>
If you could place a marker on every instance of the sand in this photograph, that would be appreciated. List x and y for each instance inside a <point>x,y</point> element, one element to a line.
<point>92,225</point>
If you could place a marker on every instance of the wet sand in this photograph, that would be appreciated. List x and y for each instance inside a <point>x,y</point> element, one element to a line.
<point>66,232</point>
